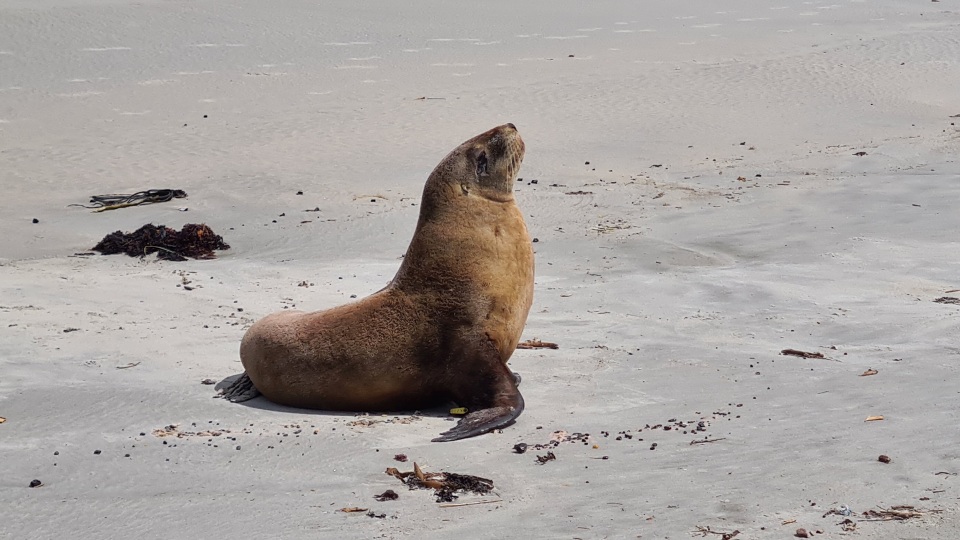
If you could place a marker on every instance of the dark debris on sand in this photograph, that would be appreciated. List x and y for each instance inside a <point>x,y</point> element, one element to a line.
<point>445,485</point>
<point>193,240</point>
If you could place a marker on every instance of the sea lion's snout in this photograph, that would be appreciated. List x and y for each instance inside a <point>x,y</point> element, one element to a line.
<point>485,165</point>
<point>500,153</point>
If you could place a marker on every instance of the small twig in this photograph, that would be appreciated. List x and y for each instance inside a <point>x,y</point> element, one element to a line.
<point>704,531</point>
<point>537,344</point>
<point>130,365</point>
<point>451,505</point>
<point>802,354</point>
<point>145,248</point>
<point>704,441</point>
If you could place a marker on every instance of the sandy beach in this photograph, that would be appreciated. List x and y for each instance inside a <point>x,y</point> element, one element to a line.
<point>708,184</point>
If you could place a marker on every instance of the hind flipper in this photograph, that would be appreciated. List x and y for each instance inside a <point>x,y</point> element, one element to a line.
<point>508,407</point>
<point>240,390</point>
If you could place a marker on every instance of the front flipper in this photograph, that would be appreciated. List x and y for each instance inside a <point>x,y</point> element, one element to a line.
<point>485,420</point>
<point>240,390</point>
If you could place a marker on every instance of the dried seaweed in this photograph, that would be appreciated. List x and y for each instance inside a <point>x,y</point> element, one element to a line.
<point>445,485</point>
<point>193,240</point>
<point>897,513</point>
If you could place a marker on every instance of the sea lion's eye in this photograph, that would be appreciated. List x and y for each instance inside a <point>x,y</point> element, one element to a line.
<point>482,164</point>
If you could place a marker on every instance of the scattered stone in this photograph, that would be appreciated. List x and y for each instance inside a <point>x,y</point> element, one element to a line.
<point>35,483</point>
<point>884,458</point>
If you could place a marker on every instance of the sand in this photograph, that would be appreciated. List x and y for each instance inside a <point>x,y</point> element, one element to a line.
<point>709,183</point>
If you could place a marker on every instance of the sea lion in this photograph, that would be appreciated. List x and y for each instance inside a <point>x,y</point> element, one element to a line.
<point>444,327</point>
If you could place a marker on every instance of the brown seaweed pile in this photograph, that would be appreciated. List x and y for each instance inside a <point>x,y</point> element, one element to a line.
<point>193,240</point>
<point>444,484</point>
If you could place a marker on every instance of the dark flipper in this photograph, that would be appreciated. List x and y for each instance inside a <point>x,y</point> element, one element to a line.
<point>240,390</point>
<point>486,420</point>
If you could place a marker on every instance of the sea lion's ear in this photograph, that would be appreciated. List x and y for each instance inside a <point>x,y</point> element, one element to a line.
<point>480,159</point>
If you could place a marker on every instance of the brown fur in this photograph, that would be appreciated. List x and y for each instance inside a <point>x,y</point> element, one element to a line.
<point>445,326</point>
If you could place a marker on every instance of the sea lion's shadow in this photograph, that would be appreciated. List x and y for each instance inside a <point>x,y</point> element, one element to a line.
<point>262,403</point>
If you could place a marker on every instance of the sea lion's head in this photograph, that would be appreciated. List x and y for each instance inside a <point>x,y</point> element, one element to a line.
<point>485,165</point>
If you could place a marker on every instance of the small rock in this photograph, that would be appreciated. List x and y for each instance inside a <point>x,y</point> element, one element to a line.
<point>208,381</point>
<point>884,458</point>
<point>35,483</point>
<point>520,448</point>
<point>96,452</point>
<point>35,220</point>
<point>56,452</point>
<point>802,533</point>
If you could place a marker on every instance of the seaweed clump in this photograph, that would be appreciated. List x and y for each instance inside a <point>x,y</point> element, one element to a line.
<point>445,485</point>
<point>193,241</point>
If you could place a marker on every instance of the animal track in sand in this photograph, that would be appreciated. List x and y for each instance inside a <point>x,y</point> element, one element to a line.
<point>214,45</point>
<point>156,82</point>
<point>80,94</point>
<point>105,49</point>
